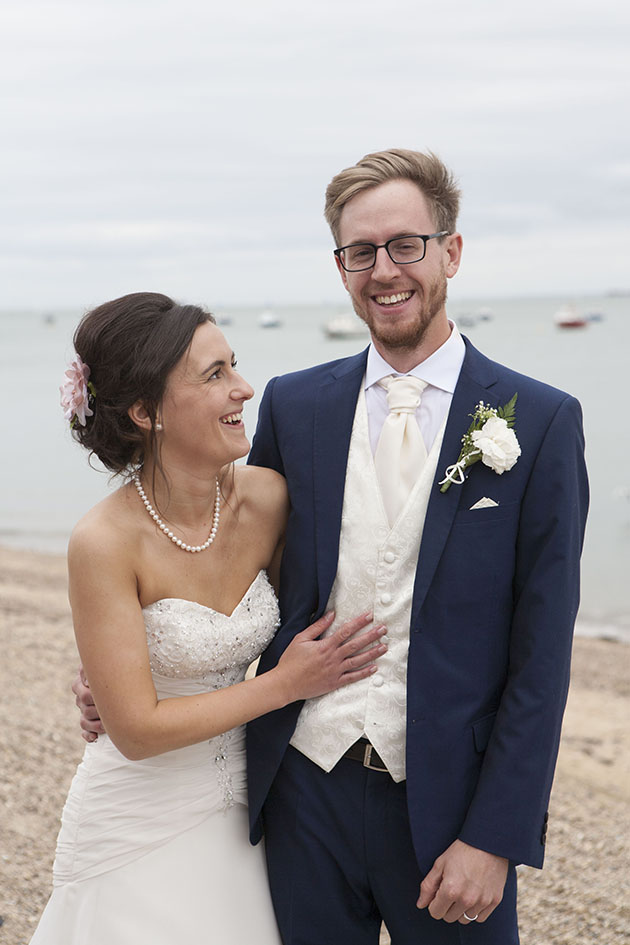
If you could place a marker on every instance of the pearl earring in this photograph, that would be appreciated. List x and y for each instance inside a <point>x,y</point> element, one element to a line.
<point>159,427</point>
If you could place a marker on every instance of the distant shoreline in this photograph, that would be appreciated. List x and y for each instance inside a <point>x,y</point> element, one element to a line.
<point>602,631</point>
<point>220,306</point>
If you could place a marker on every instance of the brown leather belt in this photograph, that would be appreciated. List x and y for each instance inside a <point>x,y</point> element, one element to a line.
<point>364,752</point>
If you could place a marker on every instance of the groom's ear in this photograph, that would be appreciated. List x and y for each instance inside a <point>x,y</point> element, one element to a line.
<point>139,415</point>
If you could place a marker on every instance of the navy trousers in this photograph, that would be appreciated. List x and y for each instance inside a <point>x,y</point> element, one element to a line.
<point>340,861</point>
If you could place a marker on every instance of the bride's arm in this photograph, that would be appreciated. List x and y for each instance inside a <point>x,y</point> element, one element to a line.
<point>273,570</point>
<point>111,637</point>
<point>265,499</point>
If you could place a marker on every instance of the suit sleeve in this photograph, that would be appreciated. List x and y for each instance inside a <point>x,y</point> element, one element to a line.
<point>265,451</point>
<point>508,812</point>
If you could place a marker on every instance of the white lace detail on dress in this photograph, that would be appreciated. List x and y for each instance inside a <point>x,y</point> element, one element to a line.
<point>188,640</point>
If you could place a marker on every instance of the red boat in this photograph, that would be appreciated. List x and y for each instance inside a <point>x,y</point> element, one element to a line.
<point>568,317</point>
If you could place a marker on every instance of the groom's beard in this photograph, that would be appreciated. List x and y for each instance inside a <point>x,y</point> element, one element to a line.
<point>409,335</point>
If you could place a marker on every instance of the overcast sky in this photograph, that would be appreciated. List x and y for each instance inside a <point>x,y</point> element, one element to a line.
<point>185,146</point>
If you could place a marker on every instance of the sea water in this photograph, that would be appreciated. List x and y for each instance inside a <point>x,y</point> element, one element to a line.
<point>47,484</point>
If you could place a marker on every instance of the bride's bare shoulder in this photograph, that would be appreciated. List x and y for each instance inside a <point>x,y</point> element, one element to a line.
<point>261,488</point>
<point>105,529</point>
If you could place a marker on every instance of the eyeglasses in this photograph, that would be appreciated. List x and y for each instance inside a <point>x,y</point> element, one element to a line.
<point>402,250</point>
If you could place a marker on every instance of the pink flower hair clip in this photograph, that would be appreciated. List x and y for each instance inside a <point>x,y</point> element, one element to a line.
<point>77,392</point>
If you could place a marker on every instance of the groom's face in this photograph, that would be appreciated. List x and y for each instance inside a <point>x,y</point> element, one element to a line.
<point>403,305</point>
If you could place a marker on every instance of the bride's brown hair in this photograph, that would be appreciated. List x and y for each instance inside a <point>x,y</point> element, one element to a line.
<point>130,345</point>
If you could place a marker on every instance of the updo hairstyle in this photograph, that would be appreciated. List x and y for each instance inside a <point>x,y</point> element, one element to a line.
<point>130,345</point>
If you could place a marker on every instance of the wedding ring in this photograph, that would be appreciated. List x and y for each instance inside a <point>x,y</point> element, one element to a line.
<point>471,918</point>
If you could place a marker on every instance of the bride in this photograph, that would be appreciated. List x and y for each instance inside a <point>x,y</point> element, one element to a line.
<point>171,603</point>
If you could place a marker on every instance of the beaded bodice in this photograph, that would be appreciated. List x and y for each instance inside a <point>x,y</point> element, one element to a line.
<point>190,641</point>
<point>194,649</point>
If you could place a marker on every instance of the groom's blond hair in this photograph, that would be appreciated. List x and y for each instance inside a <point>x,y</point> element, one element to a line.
<point>431,175</point>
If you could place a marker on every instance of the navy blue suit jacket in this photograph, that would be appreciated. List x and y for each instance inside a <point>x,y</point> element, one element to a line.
<point>494,602</point>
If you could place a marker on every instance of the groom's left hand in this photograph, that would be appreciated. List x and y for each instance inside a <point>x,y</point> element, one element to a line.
<point>463,880</point>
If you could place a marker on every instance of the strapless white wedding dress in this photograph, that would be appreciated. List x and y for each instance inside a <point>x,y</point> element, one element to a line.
<point>157,851</point>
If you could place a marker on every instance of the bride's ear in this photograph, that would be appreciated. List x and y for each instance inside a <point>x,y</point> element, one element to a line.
<point>139,415</point>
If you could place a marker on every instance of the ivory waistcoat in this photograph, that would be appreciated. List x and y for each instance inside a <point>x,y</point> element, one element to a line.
<point>375,571</point>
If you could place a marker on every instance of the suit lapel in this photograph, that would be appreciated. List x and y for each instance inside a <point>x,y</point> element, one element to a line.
<point>334,416</point>
<point>476,377</point>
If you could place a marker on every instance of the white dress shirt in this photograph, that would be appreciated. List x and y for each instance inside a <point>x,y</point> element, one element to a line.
<point>441,372</point>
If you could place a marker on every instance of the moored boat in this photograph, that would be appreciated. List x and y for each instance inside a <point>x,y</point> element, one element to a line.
<point>568,316</point>
<point>344,326</point>
<point>269,319</point>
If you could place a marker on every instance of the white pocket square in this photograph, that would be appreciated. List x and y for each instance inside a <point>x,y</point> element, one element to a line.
<point>484,503</point>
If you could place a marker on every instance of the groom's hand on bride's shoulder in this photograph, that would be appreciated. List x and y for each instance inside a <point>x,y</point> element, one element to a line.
<point>90,722</point>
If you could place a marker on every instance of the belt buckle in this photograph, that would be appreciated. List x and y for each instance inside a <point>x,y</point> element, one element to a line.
<point>367,759</point>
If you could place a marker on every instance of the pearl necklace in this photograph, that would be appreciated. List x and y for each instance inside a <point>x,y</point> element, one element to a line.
<point>169,534</point>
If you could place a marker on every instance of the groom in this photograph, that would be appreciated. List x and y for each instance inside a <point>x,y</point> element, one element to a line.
<point>411,796</point>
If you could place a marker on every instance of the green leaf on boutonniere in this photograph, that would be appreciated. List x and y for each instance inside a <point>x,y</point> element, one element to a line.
<point>508,412</point>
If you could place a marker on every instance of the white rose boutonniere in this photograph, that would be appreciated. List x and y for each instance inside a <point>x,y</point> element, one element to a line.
<point>489,438</point>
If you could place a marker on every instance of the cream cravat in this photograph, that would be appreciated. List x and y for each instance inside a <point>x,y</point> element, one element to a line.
<point>400,452</point>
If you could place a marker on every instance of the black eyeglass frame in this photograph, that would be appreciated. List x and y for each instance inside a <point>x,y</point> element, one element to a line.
<point>412,236</point>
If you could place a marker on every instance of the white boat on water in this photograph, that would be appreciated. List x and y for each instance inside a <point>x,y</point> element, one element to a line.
<point>470,319</point>
<point>269,319</point>
<point>568,316</point>
<point>345,326</point>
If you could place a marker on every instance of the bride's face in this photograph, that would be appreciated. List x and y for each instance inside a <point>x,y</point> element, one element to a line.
<point>201,412</point>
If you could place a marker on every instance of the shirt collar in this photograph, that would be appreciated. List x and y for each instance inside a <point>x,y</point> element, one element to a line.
<point>441,369</point>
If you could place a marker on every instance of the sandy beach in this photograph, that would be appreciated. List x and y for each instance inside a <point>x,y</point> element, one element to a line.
<point>580,898</point>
